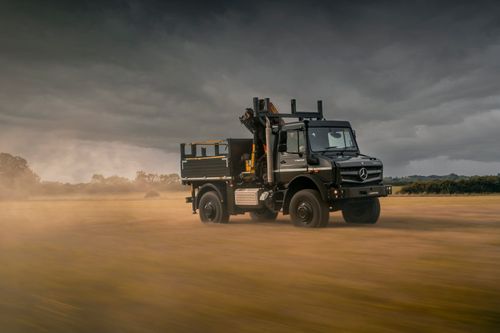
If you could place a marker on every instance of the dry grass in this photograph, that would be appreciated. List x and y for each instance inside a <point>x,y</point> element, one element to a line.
<point>133,265</point>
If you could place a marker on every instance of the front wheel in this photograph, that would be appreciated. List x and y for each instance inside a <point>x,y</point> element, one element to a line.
<point>363,211</point>
<point>307,209</point>
<point>211,209</point>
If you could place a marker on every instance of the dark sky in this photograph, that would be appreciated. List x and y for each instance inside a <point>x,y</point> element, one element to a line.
<point>113,87</point>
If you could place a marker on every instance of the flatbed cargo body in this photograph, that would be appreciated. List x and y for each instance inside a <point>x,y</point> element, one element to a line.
<point>224,163</point>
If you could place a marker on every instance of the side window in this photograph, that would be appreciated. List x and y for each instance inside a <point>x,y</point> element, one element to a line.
<point>292,142</point>
<point>302,142</point>
<point>295,142</point>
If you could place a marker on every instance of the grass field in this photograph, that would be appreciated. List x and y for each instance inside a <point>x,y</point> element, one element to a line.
<point>125,264</point>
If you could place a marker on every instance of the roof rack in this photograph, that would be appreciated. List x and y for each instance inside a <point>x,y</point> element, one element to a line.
<point>267,112</point>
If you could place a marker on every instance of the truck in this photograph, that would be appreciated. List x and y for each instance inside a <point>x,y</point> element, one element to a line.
<point>305,168</point>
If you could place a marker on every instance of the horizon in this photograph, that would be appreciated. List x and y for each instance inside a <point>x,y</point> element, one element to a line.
<point>131,176</point>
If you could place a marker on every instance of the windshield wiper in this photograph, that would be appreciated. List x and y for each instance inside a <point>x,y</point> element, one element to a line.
<point>325,149</point>
<point>341,151</point>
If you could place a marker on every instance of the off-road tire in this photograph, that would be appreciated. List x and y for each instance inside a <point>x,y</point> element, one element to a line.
<point>308,210</point>
<point>211,209</point>
<point>363,211</point>
<point>263,215</point>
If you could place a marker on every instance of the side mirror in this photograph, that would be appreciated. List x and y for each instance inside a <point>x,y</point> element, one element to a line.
<point>354,132</point>
<point>282,147</point>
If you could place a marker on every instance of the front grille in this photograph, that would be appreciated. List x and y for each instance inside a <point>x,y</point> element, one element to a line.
<point>351,175</point>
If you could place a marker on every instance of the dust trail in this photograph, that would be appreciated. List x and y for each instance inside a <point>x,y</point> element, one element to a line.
<point>124,263</point>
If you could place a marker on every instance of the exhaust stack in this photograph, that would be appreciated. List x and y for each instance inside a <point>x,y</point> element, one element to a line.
<point>269,153</point>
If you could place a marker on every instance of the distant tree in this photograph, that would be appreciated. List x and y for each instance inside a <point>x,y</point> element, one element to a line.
<point>97,179</point>
<point>144,180</point>
<point>17,180</point>
<point>14,171</point>
<point>172,178</point>
<point>141,178</point>
<point>116,180</point>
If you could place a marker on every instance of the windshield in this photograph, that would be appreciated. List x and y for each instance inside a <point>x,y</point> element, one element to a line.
<point>331,138</point>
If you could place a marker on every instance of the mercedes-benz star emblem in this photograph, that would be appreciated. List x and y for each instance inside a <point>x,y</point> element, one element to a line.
<point>363,173</point>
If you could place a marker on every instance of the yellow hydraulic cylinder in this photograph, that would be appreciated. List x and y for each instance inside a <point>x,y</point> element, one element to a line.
<point>250,164</point>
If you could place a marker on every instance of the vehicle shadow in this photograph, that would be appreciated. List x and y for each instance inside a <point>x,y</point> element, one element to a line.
<point>394,223</point>
<point>419,224</point>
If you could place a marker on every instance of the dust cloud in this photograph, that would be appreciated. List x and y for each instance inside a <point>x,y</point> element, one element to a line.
<point>124,263</point>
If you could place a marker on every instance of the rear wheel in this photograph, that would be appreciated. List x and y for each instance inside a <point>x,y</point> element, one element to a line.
<point>308,210</point>
<point>263,215</point>
<point>364,211</point>
<point>211,209</point>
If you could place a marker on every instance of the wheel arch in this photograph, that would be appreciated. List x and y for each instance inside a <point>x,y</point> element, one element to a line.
<point>207,187</point>
<point>302,182</point>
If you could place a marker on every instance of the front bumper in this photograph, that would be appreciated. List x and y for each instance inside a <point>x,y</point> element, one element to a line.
<point>361,192</point>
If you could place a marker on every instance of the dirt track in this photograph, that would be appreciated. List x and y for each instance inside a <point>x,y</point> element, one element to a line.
<point>132,265</point>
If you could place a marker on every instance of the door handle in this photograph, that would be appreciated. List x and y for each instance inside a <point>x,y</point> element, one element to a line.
<point>283,162</point>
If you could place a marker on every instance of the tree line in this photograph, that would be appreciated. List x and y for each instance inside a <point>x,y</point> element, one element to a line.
<point>399,181</point>
<point>18,180</point>
<point>475,184</point>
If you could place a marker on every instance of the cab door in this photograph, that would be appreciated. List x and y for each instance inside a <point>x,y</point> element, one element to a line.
<point>292,159</point>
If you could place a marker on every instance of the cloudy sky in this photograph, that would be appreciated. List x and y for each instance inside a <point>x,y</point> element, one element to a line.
<point>114,87</point>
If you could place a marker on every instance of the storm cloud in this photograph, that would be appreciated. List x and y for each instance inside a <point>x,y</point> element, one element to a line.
<point>115,87</point>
